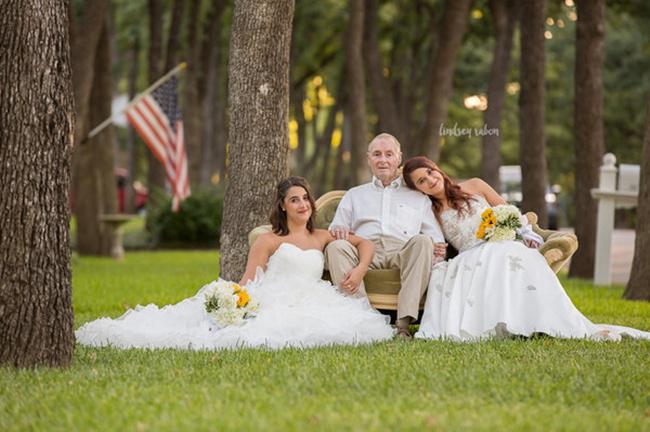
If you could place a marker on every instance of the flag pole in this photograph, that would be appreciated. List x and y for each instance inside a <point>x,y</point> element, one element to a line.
<point>100,127</point>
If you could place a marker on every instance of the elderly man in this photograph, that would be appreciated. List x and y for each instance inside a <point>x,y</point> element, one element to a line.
<point>400,223</point>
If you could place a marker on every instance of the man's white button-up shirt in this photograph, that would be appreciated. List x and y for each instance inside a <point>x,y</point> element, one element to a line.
<point>372,210</point>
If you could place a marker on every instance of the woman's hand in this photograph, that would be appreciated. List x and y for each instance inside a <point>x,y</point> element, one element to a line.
<point>353,279</point>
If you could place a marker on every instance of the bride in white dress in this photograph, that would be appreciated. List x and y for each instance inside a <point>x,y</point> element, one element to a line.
<point>492,288</point>
<point>283,273</point>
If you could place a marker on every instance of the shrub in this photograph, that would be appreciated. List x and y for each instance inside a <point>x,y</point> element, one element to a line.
<point>197,223</point>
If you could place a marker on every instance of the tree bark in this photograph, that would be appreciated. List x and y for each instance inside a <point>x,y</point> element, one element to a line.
<point>36,132</point>
<point>259,115</point>
<point>192,108</point>
<point>531,110</point>
<point>504,18</point>
<point>212,97</point>
<point>356,92</point>
<point>84,37</point>
<point>131,140</point>
<point>450,36</point>
<point>638,287</point>
<point>95,190</point>
<point>173,38</point>
<point>156,173</point>
<point>384,102</point>
<point>589,147</point>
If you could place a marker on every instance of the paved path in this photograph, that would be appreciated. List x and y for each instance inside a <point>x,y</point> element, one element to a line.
<point>622,254</point>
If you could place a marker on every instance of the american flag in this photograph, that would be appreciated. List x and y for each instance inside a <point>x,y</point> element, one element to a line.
<point>157,119</point>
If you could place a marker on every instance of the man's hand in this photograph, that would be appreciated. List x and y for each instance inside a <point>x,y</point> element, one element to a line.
<point>353,278</point>
<point>440,250</point>
<point>341,233</point>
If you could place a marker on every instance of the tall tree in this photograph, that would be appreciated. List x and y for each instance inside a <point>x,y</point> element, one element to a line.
<point>356,91</point>
<point>192,108</point>
<point>156,172</point>
<point>532,142</point>
<point>131,141</point>
<point>37,118</point>
<point>85,29</point>
<point>259,115</point>
<point>384,102</point>
<point>214,100</point>
<point>638,287</point>
<point>504,19</point>
<point>450,36</point>
<point>93,183</point>
<point>589,134</point>
<point>94,187</point>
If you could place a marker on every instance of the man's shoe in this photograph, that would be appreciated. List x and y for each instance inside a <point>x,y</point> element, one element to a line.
<point>403,335</point>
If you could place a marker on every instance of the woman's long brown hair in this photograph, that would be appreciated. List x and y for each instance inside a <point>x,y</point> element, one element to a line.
<point>456,198</point>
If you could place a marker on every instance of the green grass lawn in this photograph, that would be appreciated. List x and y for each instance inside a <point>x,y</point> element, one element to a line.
<point>536,384</point>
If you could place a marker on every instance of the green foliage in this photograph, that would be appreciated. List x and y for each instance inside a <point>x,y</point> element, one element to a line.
<point>537,384</point>
<point>198,223</point>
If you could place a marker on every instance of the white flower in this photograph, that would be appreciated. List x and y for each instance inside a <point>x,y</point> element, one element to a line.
<point>503,233</point>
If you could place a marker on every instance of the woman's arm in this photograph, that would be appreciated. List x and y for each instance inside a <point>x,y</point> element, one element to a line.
<point>258,256</point>
<point>476,185</point>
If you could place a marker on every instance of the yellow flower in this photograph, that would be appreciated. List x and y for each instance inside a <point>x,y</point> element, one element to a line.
<point>480,233</point>
<point>243,298</point>
<point>487,214</point>
<point>236,288</point>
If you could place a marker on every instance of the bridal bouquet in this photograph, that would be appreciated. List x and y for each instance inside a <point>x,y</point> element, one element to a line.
<point>499,223</point>
<point>228,303</point>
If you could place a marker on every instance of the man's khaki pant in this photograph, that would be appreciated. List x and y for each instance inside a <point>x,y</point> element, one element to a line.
<point>412,258</point>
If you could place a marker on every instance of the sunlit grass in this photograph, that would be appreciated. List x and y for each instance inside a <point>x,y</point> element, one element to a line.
<point>537,384</point>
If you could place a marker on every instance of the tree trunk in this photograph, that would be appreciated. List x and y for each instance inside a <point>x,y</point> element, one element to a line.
<point>638,287</point>
<point>384,102</point>
<point>356,92</point>
<point>210,61</point>
<point>531,110</point>
<point>192,108</point>
<point>173,38</point>
<point>259,115</point>
<point>325,141</point>
<point>504,18</point>
<point>36,132</point>
<point>131,140</point>
<point>297,96</point>
<point>589,147</point>
<point>450,36</point>
<point>156,174</point>
<point>84,36</point>
<point>95,190</point>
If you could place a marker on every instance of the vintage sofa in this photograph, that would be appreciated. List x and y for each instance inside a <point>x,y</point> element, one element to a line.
<point>382,286</point>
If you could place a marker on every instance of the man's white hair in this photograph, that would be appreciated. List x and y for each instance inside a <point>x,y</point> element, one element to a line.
<point>388,137</point>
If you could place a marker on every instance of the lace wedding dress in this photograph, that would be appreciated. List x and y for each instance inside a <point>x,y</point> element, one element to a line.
<point>296,309</point>
<point>500,288</point>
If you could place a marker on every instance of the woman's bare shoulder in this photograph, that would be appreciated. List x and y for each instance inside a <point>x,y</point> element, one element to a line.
<point>473,185</point>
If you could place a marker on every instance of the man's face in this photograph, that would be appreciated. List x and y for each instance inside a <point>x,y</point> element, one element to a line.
<point>384,159</point>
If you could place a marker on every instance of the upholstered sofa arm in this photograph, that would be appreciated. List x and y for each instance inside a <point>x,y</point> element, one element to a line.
<point>558,246</point>
<point>256,232</point>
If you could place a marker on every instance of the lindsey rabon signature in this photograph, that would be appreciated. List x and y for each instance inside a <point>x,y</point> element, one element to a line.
<point>468,132</point>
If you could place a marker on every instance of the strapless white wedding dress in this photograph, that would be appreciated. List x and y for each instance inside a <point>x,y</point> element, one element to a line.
<point>296,309</point>
<point>499,289</point>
